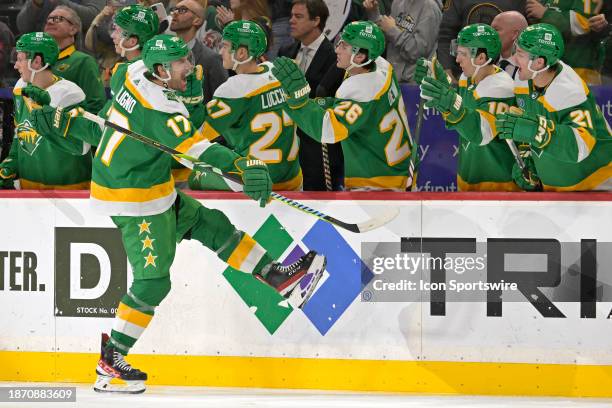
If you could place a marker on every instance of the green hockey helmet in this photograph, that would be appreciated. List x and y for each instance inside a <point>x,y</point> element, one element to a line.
<point>542,40</point>
<point>364,35</point>
<point>138,21</point>
<point>38,43</point>
<point>163,49</point>
<point>477,36</point>
<point>248,34</point>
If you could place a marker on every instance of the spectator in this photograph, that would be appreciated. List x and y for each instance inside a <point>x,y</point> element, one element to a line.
<point>307,21</point>
<point>508,25</point>
<point>242,10</point>
<point>411,31</point>
<point>582,45</point>
<point>281,12</point>
<point>460,13</point>
<point>34,13</point>
<point>63,24</point>
<point>187,18</point>
<point>99,41</point>
<point>601,24</point>
<point>7,41</point>
<point>358,11</point>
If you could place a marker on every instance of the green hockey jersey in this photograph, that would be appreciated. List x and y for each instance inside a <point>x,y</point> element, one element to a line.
<point>83,70</point>
<point>133,179</point>
<point>582,52</point>
<point>368,117</point>
<point>578,156</point>
<point>485,162</point>
<point>250,112</point>
<point>34,160</point>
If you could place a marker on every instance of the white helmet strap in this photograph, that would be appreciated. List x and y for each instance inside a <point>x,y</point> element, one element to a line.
<point>124,49</point>
<point>35,71</point>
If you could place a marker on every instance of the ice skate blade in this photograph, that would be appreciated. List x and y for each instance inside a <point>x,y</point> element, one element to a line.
<point>302,293</point>
<point>103,385</point>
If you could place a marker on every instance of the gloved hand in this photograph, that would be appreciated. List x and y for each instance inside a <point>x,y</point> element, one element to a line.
<point>38,95</point>
<point>433,69</point>
<point>292,80</point>
<point>256,179</point>
<point>193,96</point>
<point>7,175</point>
<point>524,127</point>
<point>48,120</point>
<point>193,93</point>
<point>443,98</point>
<point>528,180</point>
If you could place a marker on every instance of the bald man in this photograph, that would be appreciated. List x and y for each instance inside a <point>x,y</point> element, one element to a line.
<point>187,17</point>
<point>509,25</point>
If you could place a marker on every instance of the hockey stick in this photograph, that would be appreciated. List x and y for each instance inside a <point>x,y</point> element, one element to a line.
<point>365,226</point>
<point>414,160</point>
<point>326,167</point>
<point>517,155</point>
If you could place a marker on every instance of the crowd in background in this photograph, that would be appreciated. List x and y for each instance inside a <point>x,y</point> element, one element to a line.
<point>413,29</point>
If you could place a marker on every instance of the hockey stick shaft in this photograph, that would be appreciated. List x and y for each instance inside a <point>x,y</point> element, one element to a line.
<point>357,228</point>
<point>414,159</point>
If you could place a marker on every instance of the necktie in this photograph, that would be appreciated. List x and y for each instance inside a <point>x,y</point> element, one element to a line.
<point>304,60</point>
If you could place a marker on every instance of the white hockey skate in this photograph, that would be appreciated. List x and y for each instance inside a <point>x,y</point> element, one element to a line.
<point>297,281</point>
<point>112,365</point>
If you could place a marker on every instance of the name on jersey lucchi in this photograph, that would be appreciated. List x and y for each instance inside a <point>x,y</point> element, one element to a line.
<point>272,98</point>
<point>125,100</point>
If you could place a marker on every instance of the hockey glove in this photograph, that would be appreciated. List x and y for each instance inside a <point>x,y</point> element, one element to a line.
<point>293,81</point>
<point>525,127</point>
<point>433,69</point>
<point>443,98</point>
<point>529,181</point>
<point>50,121</point>
<point>7,175</point>
<point>256,179</point>
<point>193,96</point>
<point>38,95</point>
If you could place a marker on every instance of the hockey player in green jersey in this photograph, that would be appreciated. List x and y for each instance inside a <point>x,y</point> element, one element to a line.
<point>36,162</point>
<point>568,136</point>
<point>583,51</point>
<point>367,115</point>
<point>132,183</point>
<point>249,110</point>
<point>485,161</point>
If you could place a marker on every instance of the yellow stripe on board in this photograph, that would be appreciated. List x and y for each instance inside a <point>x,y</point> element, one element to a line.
<point>429,377</point>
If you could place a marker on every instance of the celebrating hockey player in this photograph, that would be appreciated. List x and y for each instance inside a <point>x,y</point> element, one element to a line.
<point>569,138</point>
<point>485,161</point>
<point>249,110</point>
<point>132,183</point>
<point>367,115</point>
<point>36,162</point>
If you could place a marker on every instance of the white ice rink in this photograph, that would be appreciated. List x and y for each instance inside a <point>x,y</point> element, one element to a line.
<point>187,397</point>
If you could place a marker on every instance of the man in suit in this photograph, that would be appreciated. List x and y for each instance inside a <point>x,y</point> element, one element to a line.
<point>316,57</point>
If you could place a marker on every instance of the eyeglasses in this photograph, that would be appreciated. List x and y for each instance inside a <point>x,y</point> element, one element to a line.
<point>58,19</point>
<point>181,10</point>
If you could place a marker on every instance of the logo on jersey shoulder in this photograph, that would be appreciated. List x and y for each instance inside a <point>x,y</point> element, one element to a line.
<point>29,139</point>
<point>171,95</point>
<point>62,67</point>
